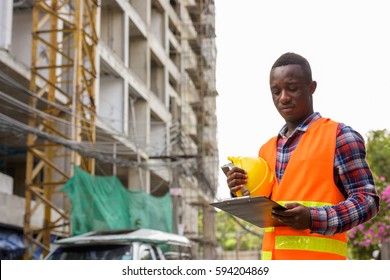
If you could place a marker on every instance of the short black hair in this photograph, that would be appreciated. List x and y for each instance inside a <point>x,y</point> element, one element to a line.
<point>293,58</point>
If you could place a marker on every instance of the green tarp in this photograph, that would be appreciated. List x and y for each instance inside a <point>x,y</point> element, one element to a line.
<point>101,203</point>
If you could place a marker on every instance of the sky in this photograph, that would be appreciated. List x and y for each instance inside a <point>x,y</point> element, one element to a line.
<point>346,42</point>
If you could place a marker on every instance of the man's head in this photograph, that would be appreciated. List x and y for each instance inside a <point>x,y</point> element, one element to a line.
<point>292,88</point>
<point>294,59</point>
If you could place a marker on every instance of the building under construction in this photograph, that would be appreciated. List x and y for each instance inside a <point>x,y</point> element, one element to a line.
<point>115,87</point>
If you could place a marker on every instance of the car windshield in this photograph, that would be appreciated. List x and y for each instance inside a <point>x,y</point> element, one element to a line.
<point>93,252</point>
<point>176,252</point>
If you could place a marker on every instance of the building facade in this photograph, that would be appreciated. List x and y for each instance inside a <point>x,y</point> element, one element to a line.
<point>117,87</point>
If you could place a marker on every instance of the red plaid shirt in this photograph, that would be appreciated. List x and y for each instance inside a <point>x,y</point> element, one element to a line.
<point>352,175</point>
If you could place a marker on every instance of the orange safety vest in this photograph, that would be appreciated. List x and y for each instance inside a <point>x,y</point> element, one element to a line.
<point>308,180</point>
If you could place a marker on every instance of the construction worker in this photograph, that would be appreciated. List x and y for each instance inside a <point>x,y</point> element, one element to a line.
<point>321,173</point>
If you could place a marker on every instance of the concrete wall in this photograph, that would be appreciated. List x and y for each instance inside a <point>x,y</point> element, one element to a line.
<point>139,179</point>
<point>12,207</point>
<point>138,57</point>
<point>5,24</point>
<point>12,210</point>
<point>158,137</point>
<point>111,103</point>
<point>139,122</point>
<point>112,30</point>
<point>21,37</point>
<point>6,184</point>
<point>141,7</point>
<point>158,26</point>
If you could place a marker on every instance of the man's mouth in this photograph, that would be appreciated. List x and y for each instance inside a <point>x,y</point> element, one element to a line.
<point>287,108</point>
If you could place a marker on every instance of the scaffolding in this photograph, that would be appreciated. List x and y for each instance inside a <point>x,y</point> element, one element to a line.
<point>199,56</point>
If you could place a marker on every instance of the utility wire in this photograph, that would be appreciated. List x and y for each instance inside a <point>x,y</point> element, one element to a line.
<point>21,128</point>
<point>62,108</point>
<point>29,111</point>
<point>137,140</point>
<point>97,150</point>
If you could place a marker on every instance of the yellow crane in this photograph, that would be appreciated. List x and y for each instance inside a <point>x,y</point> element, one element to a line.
<point>63,75</point>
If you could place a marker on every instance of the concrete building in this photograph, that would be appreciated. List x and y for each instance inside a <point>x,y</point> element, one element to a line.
<point>151,107</point>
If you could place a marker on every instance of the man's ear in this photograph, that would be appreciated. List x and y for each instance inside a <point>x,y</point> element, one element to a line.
<point>312,87</point>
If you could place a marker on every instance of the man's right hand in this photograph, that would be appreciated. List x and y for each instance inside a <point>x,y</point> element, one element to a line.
<point>236,179</point>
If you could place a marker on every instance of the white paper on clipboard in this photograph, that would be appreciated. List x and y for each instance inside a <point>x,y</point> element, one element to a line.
<point>255,210</point>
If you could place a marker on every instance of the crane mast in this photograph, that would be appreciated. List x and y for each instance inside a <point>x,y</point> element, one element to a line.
<point>63,83</point>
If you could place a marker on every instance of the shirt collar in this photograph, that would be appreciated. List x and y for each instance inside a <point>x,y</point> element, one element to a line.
<point>302,127</point>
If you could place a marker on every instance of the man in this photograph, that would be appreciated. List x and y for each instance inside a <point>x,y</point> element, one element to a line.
<point>322,176</point>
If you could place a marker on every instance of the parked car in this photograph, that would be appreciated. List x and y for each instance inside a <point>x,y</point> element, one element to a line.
<point>140,244</point>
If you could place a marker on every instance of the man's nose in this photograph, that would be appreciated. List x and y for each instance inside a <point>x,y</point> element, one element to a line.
<point>284,97</point>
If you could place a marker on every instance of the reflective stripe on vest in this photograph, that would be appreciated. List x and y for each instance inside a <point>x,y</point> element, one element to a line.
<point>305,203</point>
<point>266,255</point>
<point>308,243</point>
<point>317,244</point>
<point>269,229</point>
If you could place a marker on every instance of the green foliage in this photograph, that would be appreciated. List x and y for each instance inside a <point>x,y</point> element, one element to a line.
<point>366,238</point>
<point>378,152</point>
<point>229,231</point>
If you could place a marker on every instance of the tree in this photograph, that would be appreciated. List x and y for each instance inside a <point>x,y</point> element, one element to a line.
<point>229,229</point>
<point>370,236</point>
<point>378,152</point>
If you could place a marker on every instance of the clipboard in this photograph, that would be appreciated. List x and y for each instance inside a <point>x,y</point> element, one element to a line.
<point>255,210</point>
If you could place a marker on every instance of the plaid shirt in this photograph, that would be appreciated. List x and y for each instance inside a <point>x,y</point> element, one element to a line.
<point>352,176</point>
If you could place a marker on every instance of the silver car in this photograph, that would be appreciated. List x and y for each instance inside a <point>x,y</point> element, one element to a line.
<point>140,244</point>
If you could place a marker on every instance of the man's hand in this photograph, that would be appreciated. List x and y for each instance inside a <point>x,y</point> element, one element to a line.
<point>296,216</point>
<point>236,179</point>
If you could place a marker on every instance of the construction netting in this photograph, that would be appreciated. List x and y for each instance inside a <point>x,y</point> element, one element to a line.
<point>101,203</point>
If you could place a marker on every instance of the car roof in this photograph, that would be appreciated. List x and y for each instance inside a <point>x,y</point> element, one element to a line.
<point>124,236</point>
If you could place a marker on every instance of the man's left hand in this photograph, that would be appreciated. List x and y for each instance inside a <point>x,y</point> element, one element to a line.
<point>296,216</point>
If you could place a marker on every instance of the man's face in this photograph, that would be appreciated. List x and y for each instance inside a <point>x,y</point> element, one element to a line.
<point>292,93</point>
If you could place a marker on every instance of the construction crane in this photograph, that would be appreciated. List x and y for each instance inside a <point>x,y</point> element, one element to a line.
<point>63,79</point>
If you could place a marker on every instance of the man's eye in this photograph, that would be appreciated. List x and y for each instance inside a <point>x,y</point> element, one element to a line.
<point>292,88</point>
<point>275,92</point>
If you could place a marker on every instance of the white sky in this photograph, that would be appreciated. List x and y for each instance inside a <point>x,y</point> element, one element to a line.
<point>346,42</point>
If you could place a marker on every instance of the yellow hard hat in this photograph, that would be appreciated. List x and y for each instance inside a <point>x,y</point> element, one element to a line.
<point>260,177</point>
